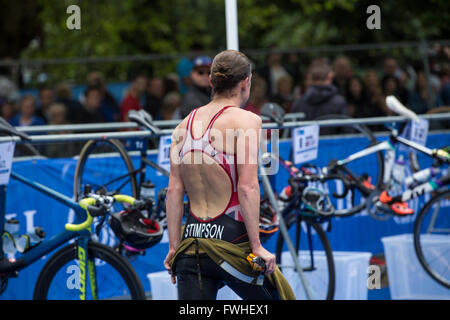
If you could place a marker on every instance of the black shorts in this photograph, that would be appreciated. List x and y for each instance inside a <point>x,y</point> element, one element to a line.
<point>213,277</point>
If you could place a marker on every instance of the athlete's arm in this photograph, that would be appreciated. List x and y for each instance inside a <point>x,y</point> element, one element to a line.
<point>247,148</point>
<point>174,201</point>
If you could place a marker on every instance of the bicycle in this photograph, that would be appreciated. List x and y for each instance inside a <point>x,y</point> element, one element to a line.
<point>112,174</point>
<point>359,184</point>
<point>434,261</point>
<point>432,228</point>
<point>367,188</point>
<point>106,164</point>
<point>79,265</point>
<point>300,211</point>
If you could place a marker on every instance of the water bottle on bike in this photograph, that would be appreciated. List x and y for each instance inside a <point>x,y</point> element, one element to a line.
<point>148,194</point>
<point>398,172</point>
<point>9,236</point>
<point>421,176</point>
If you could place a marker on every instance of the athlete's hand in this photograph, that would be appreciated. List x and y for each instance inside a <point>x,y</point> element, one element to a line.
<point>268,257</point>
<point>169,256</point>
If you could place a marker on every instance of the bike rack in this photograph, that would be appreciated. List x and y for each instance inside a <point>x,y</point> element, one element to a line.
<point>267,187</point>
<point>37,139</point>
<point>53,138</point>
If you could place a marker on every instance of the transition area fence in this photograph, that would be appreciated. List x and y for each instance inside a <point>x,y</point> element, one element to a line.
<point>356,233</point>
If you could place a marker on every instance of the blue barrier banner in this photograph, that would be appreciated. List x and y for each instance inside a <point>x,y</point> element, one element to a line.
<point>31,208</point>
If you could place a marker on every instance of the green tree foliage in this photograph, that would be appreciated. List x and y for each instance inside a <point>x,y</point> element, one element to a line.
<point>133,27</point>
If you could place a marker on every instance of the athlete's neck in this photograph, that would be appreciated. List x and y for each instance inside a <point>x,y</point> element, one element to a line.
<point>230,100</point>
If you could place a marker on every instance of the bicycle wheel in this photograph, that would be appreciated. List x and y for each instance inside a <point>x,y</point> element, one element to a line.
<point>368,169</point>
<point>104,164</point>
<point>60,277</point>
<point>314,254</point>
<point>432,237</point>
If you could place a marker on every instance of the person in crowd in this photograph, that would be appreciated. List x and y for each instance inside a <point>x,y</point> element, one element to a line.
<point>418,99</point>
<point>375,97</point>
<point>27,115</point>
<point>443,98</point>
<point>170,104</point>
<point>57,115</point>
<point>63,94</point>
<point>284,97</point>
<point>390,85</point>
<point>8,89</point>
<point>358,106</point>
<point>132,100</point>
<point>109,107</point>
<point>444,74</point>
<point>342,74</point>
<point>257,95</point>
<point>46,98</point>
<point>154,96</point>
<point>392,70</point>
<point>7,109</point>
<point>272,72</point>
<point>171,83</point>
<point>91,109</point>
<point>292,66</point>
<point>322,97</point>
<point>185,65</point>
<point>199,92</point>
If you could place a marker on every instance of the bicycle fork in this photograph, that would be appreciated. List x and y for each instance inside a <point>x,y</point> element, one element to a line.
<point>86,260</point>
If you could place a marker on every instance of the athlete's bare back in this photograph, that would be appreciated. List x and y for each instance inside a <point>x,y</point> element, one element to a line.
<point>207,184</point>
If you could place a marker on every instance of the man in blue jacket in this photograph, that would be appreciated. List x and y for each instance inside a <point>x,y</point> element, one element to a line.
<point>321,97</point>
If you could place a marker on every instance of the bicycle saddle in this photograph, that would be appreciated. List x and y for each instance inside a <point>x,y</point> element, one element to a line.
<point>274,112</point>
<point>144,119</point>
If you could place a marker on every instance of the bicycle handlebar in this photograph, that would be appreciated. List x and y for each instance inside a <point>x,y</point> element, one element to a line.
<point>85,204</point>
<point>95,208</point>
<point>397,107</point>
<point>442,154</point>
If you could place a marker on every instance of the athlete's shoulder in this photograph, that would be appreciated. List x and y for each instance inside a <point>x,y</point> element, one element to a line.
<point>242,116</point>
<point>245,118</point>
<point>179,132</point>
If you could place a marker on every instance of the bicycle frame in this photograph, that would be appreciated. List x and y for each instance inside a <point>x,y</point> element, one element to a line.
<point>389,147</point>
<point>141,146</point>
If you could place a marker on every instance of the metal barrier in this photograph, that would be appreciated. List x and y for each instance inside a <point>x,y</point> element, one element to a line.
<point>50,138</point>
<point>123,125</point>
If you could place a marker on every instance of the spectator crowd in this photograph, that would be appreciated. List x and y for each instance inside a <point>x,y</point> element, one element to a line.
<point>324,87</point>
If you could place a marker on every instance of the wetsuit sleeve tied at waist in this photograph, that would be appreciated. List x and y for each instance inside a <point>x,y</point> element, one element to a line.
<point>235,255</point>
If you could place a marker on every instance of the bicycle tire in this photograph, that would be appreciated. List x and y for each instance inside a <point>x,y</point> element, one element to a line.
<point>97,250</point>
<point>417,234</point>
<point>296,219</point>
<point>364,130</point>
<point>88,150</point>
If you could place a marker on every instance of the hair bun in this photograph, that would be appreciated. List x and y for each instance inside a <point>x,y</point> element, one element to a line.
<point>220,75</point>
